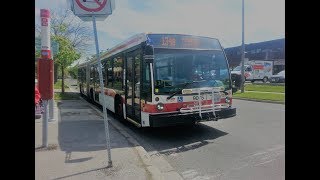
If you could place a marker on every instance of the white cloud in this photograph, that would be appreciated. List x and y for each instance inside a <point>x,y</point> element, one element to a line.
<point>264,19</point>
<point>212,18</point>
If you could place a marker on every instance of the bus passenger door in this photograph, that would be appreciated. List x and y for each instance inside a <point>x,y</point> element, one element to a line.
<point>133,86</point>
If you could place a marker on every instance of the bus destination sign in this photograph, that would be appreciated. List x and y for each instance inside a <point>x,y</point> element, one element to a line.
<point>182,41</point>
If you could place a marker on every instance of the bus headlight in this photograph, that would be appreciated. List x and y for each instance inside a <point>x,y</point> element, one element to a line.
<point>160,106</point>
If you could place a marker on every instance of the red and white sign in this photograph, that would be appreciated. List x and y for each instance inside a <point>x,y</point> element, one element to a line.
<point>44,21</point>
<point>84,9</point>
<point>91,6</point>
<point>45,13</point>
<point>45,34</point>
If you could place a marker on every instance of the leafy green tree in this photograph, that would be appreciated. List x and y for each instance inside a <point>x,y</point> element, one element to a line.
<point>66,56</point>
<point>65,23</point>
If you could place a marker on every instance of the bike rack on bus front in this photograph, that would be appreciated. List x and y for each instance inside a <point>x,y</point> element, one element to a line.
<point>204,108</point>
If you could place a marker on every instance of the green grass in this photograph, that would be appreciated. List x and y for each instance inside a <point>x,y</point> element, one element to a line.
<point>58,85</point>
<point>264,88</point>
<point>260,96</point>
<point>66,96</point>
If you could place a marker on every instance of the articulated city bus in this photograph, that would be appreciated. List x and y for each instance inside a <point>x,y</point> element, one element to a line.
<point>155,80</point>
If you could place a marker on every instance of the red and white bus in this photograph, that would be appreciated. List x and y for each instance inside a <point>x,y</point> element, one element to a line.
<point>155,80</point>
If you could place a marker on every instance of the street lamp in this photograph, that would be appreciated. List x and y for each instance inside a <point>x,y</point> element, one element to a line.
<point>242,51</point>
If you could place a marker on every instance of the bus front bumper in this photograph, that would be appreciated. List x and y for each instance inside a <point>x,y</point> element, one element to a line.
<point>188,118</point>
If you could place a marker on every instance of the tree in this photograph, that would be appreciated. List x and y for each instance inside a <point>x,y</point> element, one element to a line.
<point>64,24</point>
<point>73,72</point>
<point>67,54</point>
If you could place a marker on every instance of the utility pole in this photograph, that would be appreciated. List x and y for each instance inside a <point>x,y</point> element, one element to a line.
<point>242,51</point>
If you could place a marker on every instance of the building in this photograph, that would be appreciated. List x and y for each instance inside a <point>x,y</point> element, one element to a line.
<point>273,50</point>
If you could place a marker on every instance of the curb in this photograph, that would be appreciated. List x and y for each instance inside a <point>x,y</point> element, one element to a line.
<point>262,92</point>
<point>271,84</point>
<point>256,100</point>
<point>142,153</point>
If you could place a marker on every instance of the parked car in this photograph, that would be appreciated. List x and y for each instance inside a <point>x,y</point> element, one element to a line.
<point>278,78</point>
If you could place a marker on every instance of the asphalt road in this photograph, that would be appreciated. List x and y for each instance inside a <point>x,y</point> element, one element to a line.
<point>248,146</point>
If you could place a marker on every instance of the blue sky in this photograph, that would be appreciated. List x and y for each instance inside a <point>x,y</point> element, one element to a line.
<point>264,19</point>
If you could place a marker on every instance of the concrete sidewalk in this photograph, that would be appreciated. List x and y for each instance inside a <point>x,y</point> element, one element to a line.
<point>77,148</point>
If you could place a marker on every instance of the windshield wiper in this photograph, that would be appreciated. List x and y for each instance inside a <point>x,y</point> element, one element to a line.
<point>184,85</point>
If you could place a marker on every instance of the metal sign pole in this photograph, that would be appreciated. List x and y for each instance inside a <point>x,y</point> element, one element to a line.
<point>242,51</point>
<point>45,125</point>
<point>51,104</point>
<point>106,125</point>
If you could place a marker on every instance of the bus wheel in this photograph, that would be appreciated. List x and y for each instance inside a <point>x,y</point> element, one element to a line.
<point>118,108</point>
<point>265,79</point>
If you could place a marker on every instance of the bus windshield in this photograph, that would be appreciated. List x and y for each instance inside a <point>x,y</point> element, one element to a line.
<point>174,68</point>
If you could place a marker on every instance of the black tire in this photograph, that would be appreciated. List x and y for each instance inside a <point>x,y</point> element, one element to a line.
<point>265,79</point>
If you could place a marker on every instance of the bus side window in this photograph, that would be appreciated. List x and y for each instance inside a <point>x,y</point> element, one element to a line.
<point>147,77</point>
<point>117,73</point>
<point>104,74</point>
<point>109,73</point>
<point>146,82</point>
<point>92,75</point>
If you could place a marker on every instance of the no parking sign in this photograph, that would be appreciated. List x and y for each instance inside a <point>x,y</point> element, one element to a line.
<point>92,10</point>
<point>84,9</point>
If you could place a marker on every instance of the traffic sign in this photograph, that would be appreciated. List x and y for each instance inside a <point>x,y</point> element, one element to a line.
<point>92,10</point>
<point>84,9</point>
<point>89,6</point>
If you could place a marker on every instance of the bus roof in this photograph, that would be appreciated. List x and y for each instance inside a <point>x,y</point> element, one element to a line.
<point>154,39</point>
<point>131,42</point>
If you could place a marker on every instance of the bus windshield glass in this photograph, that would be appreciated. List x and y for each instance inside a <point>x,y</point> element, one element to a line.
<point>175,69</point>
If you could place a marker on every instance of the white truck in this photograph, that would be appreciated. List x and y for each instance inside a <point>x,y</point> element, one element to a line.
<point>255,70</point>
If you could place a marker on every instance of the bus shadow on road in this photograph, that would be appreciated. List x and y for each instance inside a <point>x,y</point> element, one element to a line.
<point>89,136</point>
<point>171,139</point>
<point>175,139</point>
